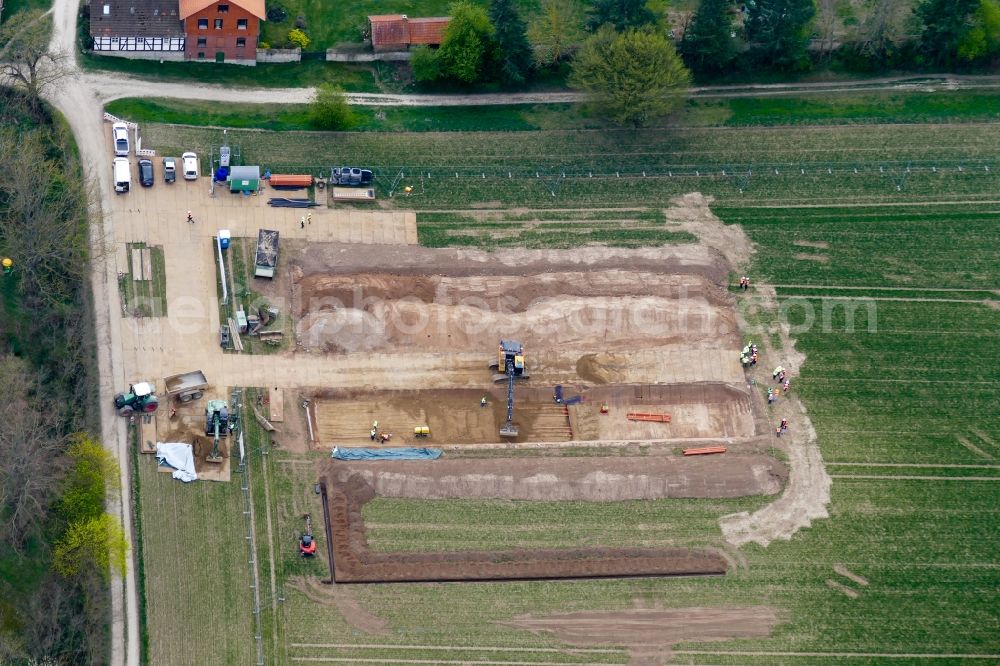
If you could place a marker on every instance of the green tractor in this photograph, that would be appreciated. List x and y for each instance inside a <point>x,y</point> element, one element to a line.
<point>140,398</point>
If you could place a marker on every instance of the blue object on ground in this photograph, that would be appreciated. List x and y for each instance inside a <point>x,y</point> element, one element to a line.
<point>401,453</point>
<point>574,400</point>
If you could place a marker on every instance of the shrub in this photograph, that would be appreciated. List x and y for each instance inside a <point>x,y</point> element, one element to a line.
<point>329,109</point>
<point>298,38</point>
<point>425,64</point>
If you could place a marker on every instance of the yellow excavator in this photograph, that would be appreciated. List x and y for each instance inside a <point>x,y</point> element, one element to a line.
<point>509,367</point>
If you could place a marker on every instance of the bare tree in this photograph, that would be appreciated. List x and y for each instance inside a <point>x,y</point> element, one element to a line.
<point>31,454</point>
<point>876,31</point>
<point>25,59</point>
<point>826,26</point>
<point>40,219</point>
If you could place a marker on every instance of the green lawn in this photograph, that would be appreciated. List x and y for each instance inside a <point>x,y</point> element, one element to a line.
<point>327,27</point>
<point>354,78</point>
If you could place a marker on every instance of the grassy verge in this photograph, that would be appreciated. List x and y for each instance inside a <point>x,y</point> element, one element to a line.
<point>145,298</point>
<point>860,108</point>
<point>137,544</point>
<point>354,78</point>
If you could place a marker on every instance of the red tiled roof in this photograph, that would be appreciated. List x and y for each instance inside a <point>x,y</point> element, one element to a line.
<point>398,29</point>
<point>428,30</point>
<point>389,29</point>
<point>189,7</point>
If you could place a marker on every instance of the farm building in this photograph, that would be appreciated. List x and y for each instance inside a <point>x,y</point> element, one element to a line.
<point>222,30</point>
<point>219,30</point>
<point>397,32</point>
<point>151,29</point>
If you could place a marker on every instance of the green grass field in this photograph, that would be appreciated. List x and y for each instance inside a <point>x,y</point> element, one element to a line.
<point>903,402</point>
<point>197,579</point>
<point>858,164</point>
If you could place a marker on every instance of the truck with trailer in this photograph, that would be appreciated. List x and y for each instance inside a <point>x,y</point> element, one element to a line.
<point>186,386</point>
<point>267,253</point>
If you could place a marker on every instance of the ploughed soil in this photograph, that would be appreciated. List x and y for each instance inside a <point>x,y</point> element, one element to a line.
<point>462,300</point>
<point>588,479</point>
<point>348,486</point>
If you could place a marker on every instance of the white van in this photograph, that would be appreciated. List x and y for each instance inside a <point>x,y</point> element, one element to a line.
<point>123,174</point>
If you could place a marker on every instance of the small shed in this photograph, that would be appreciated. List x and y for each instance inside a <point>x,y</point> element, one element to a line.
<point>244,179</point>
<point>397,32</point>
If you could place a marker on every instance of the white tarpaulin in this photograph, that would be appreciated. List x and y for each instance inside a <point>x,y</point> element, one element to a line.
<point>180,457</point>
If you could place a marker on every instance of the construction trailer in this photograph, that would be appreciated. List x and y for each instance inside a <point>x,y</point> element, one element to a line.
<point>244,178</point>
<point>267,253</point>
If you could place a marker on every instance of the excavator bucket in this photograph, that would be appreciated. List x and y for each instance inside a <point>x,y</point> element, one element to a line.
<point>508,431</point>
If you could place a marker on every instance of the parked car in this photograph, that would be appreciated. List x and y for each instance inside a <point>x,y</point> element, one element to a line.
<point>169,170</point>
<point>119,133</point>
<point>350,176</point>
<point>146,173</point>
<point>122,172</point>
<point>189,162</point>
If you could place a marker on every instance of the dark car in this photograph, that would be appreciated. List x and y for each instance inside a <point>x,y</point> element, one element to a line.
<point>169,169</point>
<point>146,173</point>
<point>351,176</point>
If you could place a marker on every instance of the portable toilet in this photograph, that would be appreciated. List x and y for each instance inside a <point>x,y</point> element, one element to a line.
<point>224,238</point>
<point>241,321</point>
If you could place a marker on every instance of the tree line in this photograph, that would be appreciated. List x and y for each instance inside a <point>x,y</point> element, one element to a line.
<point>635,65</point>
<point>58,545</point>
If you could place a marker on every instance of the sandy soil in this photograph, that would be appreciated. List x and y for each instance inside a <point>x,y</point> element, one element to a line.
<point>568,479</point>
<point>705,410</point>
<point>188,426</point>
<point>649,634</point>
<point>352,562</point>
<point>691,213</point>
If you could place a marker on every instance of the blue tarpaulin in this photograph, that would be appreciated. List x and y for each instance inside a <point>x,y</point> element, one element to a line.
<point>402,453</point>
